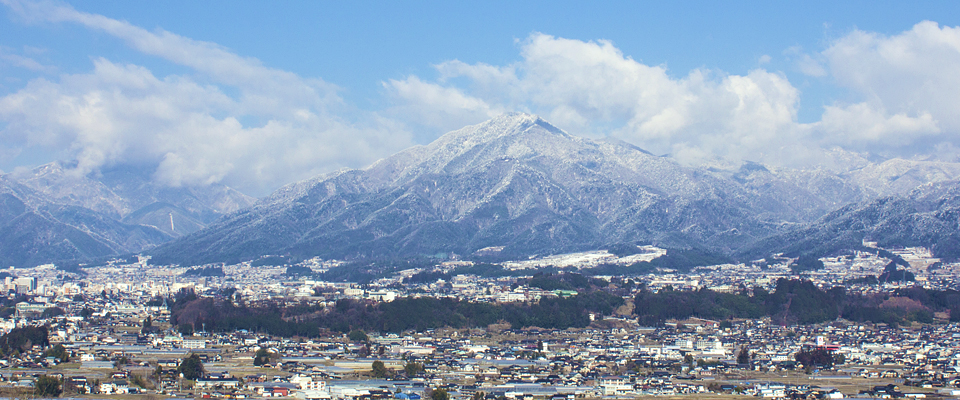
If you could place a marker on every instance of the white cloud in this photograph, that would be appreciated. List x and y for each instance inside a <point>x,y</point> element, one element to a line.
<point>23,62</point>
<point>904,99</point>
<point>858,124</point>
<point>593,88</point>
<point>190,131</point>
<point>443,108</point>
<point>908,84</point>
<point>805,63</point>
<point>265,90</point>
<point>195,128</point>
<point>811,67</point>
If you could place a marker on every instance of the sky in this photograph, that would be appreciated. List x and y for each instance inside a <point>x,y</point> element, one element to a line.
<point>256,95</point>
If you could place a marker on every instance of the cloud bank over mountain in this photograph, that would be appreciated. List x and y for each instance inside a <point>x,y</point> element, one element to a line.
<point>903,88</point>
<point>593,88</point>
<point>230,119</point>
<point>906,85</point>
<point>221,117</point>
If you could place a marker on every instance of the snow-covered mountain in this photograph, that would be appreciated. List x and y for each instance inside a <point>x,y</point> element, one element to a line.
<point>928,216</point>
<point>130,195</point>
<point>519,183</point>
<point>49,214</point>
<point>898,177</point>
<point>514,183</point>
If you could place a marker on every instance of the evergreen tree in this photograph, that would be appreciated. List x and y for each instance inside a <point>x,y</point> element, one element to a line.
<point>744,356</point>
<point>262,357</point>
<point>379,370</point>
<point>191,367</point>
<point>23,338</point>
<point>818,357</point>
<point>358,336</point>
<point>58,352</point>
<point>47,386</point>
<point>412,368</point>
<point>439,394</point>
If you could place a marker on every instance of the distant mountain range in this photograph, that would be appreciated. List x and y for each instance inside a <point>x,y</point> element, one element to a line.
<point>50,215</point>
<point>928,216</point>
<point>523,187</point>
<point>511,187</point>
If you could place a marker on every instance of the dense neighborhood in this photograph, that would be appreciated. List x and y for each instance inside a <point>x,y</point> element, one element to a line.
<point>107,330</point>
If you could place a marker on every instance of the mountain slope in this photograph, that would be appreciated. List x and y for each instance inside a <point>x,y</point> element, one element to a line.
<point>35,231</point>
<point>130,195</point>
<point>928,216</point>
<point>49,215</point>
<point>514,181</point>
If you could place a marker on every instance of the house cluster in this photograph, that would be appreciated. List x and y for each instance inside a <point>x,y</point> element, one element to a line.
<point>113,321</point>
<point>127,286</point>
<point>685,357</point>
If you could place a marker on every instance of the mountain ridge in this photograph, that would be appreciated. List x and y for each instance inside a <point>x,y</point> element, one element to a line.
<point>514,181</point>
<point>929,216</point>
<point>50,214</point>
<point>518,182</point>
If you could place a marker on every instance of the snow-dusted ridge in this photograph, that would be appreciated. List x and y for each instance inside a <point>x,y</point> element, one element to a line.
<point>519,183</point>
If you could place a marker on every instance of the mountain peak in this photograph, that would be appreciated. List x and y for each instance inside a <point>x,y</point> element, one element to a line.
<point>513,123</point>
<point>516,115</point>
<point>516,181</point>
<point>508,125</point>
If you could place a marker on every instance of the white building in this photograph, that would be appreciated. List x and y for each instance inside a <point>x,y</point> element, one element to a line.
<point>194,344</point>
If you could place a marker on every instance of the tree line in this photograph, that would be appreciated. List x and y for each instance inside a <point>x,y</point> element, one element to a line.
<point>795,301</point>
<point>792,301</point>
<point>409,313</point>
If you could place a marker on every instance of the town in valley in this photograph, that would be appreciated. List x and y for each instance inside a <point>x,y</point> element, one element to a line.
<point>449,200</point>
<point>110,330</point>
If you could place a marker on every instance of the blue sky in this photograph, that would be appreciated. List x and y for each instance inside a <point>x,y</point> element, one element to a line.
<point>259,94</point>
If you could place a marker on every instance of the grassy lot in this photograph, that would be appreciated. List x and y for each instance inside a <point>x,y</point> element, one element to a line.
<point>15,392</point>
<point>68,365</point>
<point>849,386</point>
